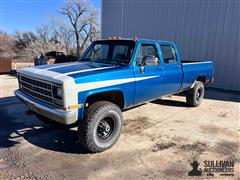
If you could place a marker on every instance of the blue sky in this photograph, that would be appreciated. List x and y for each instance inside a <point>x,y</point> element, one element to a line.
<point>27,15</point>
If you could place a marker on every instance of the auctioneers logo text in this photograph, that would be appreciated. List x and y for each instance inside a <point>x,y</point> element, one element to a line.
<point>222,167</point>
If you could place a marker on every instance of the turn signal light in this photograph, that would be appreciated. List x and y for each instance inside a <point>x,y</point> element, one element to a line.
<point>76,106</point>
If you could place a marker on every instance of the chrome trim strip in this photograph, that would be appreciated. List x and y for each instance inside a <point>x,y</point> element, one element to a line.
<point>204,62</point>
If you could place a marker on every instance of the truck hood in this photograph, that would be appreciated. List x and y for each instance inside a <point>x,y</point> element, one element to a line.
<point>60,72</point>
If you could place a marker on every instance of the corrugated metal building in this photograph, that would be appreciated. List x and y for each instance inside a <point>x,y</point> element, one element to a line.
<point>202,29</point>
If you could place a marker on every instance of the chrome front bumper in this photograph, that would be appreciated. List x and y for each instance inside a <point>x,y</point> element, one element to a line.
<point>54,113</point>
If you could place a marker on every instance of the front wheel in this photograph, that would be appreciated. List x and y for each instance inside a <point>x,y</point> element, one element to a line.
<point>195,95</point>
<point>101,127</point>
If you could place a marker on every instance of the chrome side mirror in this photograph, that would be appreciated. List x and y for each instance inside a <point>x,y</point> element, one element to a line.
<point>151,61</point>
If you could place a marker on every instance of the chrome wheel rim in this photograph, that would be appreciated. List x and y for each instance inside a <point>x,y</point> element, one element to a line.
<point>199,94</point>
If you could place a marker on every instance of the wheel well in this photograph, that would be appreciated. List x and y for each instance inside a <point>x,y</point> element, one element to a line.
<point>202,79</point>
<point>115,97</point>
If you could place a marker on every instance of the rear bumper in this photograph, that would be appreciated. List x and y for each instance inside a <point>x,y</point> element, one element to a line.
<point>56,114</point>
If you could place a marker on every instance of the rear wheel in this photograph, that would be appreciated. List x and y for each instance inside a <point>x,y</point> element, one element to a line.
<point>101,126</point>
<point>195,95</point>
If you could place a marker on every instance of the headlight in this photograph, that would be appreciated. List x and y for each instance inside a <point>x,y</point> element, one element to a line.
<point>59,92</point>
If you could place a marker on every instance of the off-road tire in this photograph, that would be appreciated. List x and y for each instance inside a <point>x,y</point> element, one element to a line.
<point>195,95</point>
<point>88,129</point>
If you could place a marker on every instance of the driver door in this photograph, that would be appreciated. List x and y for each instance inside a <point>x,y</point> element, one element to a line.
<point>149,78</point>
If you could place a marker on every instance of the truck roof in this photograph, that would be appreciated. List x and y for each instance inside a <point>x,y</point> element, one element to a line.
<point>138,40</point>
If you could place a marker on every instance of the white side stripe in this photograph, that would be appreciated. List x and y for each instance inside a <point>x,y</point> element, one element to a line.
<point>100,84</point>
<point>85,70</point>
<point>60,65</point>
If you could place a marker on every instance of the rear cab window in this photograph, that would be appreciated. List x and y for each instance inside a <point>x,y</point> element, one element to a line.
<point>169,54</point>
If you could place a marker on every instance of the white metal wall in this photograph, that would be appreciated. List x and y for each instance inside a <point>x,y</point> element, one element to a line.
<point>202,29</point>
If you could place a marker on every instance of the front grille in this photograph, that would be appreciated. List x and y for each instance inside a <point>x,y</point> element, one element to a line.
<point>36,88</point>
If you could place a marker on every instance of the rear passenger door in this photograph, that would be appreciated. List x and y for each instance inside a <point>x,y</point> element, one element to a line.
<point>172,68</point>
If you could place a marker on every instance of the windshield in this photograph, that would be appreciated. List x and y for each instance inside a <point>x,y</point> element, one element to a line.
<point>110,51</point>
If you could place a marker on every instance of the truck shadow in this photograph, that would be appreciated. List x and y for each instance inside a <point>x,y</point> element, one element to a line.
<point>167,102</point>
<point>56,140</point>
<point>16,125</point>
<point>222,95</point>
<point>210,93</point>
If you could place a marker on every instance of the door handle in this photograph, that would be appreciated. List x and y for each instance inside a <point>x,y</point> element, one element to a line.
<point>161,68</point>
<point>178,67</point>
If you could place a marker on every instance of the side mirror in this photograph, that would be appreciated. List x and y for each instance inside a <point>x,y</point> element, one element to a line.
<point>151,61</point>
<point>140,64</point>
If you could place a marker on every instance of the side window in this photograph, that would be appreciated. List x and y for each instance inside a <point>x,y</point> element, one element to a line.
<point>169,55</point>
<point>145,51</point>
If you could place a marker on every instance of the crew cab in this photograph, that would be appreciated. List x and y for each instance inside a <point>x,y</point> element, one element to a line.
<point>110,76</point>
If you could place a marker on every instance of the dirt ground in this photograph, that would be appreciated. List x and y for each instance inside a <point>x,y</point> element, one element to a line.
<point>159,141</point>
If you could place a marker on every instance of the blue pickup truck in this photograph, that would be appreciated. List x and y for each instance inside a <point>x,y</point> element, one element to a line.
<point>110,76</point>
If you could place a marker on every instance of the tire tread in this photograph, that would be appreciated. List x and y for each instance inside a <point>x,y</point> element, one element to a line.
<point>85,126</point>
<point>190,94</point>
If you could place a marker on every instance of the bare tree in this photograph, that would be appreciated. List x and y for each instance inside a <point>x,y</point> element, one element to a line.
<point>29,45</point>
<point>76,31</point>
<point>7,45</point>
<point>46,41</point>
<point>83,20</point>
<point>63,34</point>
<point>37,47</point>
<point>23,41</point>
<point>23,38</point>
<point>92,32</point>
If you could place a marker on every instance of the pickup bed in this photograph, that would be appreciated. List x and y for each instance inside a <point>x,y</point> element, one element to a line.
<point>111,75</point>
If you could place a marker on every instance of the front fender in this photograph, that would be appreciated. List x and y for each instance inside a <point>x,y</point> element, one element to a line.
<point>127,91</point>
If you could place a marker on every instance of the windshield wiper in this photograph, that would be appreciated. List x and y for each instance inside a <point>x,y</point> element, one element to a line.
<point>103,61</point>
<point>107,62</point>
<point>86,59</point>
<point>115,63</point>
<point>121,63</point>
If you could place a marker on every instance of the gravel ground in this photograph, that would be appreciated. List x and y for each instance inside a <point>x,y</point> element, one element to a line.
<point>159,141</point>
